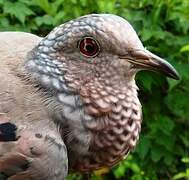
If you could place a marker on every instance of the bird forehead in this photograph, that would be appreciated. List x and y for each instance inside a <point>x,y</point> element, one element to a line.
<point>110,24</point>
<point>101,21</point>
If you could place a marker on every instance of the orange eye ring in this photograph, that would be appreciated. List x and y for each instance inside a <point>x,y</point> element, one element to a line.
<point>89,47</point>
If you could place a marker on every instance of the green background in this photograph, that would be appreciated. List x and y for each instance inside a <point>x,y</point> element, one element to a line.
<point>163,26</point>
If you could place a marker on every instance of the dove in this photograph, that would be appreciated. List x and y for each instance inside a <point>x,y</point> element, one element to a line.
<point>78,86</point>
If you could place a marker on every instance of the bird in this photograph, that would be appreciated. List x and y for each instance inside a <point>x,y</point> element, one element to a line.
<point>78,86</point>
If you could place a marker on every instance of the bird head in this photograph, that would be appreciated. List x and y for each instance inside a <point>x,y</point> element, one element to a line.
<point>96,51</point>
<point>100,46</point>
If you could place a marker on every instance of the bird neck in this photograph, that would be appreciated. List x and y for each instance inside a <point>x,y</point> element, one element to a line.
<point>46,71</point>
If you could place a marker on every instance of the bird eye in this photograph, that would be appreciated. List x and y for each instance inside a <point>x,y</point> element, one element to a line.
<point>89,47</point>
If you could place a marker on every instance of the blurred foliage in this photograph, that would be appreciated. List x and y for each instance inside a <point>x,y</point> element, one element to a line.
<point>163,26</point>
<point>185,174</point>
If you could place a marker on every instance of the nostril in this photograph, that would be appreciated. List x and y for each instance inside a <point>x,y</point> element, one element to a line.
<point>8,132</point>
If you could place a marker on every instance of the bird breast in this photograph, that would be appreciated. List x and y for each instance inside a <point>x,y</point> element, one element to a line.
<point>114,127</point>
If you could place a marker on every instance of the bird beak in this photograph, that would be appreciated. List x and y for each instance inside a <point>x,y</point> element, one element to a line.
<point>144,59</point>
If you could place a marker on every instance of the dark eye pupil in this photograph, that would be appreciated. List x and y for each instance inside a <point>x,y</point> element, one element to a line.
<point>88,47</point>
